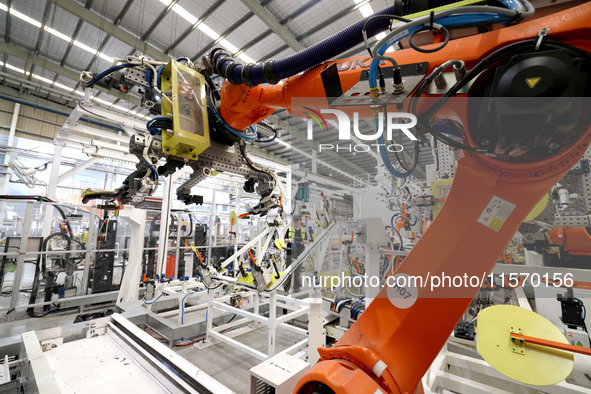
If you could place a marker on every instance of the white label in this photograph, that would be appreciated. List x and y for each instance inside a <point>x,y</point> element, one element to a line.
<point>496,213</point>
<point>402,290</point>
<point>398,37</point>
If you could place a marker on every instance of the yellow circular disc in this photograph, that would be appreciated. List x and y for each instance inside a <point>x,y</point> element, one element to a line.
<point>526,363</point>
<point>538,209</point>
<point>233,218</point>
<point>279,243</point>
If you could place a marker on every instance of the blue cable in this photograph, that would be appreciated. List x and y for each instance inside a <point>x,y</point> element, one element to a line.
<point>158,118</point>
<point>449,21</point>
<point>152,168</point>
<point>149,77</point>
<point>151,302</point>
<point>584,310</point>
<point>183,305</point>
<point>392,220</point>
<point>230,129</point>
<point>158,76</point>
<point>267,140</point>
<point>108,71</point>
<point>155,130</point>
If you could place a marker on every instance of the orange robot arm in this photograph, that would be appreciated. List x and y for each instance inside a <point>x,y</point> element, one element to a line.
<point>393,343</point>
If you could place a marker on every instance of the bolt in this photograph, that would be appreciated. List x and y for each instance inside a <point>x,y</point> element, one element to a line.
<point>194,156</point>
<point>512,339</point>
<point>168,149</point>
<point>419,66</point>
<point>485,142</point>
<point>553,145</point>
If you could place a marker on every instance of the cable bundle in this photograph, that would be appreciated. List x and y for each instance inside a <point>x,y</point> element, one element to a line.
<point>159,123</point>
<point>339,303</point>
<point>357,308</point>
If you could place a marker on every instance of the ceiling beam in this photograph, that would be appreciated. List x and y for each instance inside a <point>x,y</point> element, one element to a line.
<point>155,24</point>
<point>306,6</point>
<point>298,135</point>
<point>190,30</point>
<point>321,26</point>
<point>8,21</point>
<point>123,12</point>
<point>229,31</point>
<point>74,34</point>
<point>33,100</point>
<point>225,34</point>
<point>56,68</point>
<point>274,24</point>
<point>112,30</point>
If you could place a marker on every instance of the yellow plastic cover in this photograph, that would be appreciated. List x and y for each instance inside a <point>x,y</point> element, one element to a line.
<point>186,88</point>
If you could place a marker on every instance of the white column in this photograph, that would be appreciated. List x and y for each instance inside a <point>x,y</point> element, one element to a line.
<point>130,284</point>
<point>20,265</point>
<point>316,337</point>
<point>372,269</point>
<point>7,157</point>
<point>52,188</point>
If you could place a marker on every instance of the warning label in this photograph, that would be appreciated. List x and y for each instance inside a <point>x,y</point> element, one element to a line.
<point>496,213</point>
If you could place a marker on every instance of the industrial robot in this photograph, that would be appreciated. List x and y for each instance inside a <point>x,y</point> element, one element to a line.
<point>515,92</point>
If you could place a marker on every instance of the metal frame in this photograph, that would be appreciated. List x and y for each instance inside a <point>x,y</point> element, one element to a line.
<point>459,368</point>
<point>296,307</point>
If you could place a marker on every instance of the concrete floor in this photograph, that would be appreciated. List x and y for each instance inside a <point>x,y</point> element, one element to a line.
<point>18,327</point>
<point>231,366</point>
<point>223,362</point>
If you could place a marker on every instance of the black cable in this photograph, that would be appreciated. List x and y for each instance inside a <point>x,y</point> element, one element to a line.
<point>415,158</point>
<point>401,247</point>
<point>89,111</point>
<point>228,322</point>
<point>251,165</point>
<point>442,29</point>
<point>382,82</point>
<point>376,17</point>
<point>276,134</point>
<point>494,57</point>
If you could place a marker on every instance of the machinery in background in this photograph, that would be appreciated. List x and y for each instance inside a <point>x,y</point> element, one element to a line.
<point>26,175</point>
<point>55,267</point>
<point>516,95</point>
<point>573,315</point>
<point>561,231</point>
<point>103,267</point>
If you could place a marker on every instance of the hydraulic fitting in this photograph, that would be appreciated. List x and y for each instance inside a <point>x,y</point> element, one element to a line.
<point>440,81</point>
<point>460,70</point>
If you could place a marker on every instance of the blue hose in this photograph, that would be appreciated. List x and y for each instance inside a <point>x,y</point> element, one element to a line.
<point>311,56</point>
